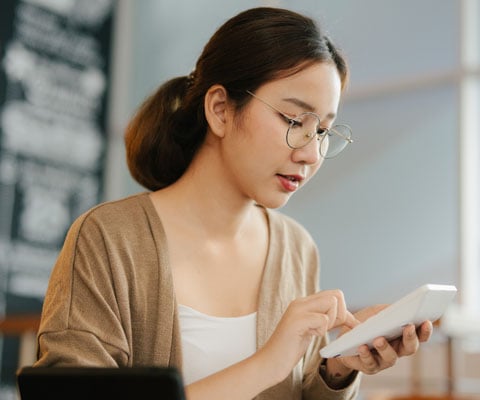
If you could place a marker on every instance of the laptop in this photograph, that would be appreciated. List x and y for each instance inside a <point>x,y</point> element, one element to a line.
<point>92,383</point>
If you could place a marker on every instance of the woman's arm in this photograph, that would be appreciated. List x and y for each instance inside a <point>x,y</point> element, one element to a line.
<point>243,380</point>
<point>304,319</point>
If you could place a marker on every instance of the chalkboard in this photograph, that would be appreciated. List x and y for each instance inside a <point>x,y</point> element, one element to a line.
<point>54,79</point>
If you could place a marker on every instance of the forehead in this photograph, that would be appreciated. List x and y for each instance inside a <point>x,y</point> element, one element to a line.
<point>315,88</point>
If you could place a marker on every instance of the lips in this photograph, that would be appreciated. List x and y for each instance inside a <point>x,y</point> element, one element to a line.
<point>290,182</point>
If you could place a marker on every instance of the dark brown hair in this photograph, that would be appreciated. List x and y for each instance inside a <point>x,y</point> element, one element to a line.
<point>252,48</point>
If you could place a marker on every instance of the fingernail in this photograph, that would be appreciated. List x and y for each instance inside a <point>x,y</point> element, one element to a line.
<point>363,351</point>
<point>411,331</point>
<point>380,343</point>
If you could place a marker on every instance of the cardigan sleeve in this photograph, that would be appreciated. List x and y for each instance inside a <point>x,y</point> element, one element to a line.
<point>81,321</point>
<point>110,300</point>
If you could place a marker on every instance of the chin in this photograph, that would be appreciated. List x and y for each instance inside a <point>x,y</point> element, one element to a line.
<point>273,202</point>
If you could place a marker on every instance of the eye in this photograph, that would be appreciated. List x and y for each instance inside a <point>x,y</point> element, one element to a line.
<point>296,123</point>
<point>323,131</point>
<point>288,120</point>
<point>299,121</point>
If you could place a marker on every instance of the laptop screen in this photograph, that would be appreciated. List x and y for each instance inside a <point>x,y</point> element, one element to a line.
<point>91,383</point>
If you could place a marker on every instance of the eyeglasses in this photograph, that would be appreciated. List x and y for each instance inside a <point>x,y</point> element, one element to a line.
<point>306,126</point>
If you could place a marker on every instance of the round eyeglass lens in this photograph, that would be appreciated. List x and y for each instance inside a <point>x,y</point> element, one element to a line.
<point>307,126</point>
<point>302,130</point>
<point>335,140</point>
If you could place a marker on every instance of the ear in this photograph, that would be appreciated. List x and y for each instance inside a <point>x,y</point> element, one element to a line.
<point>216,109</point>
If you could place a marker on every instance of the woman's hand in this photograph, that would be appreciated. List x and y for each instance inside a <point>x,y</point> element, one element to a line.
<point>384,354</point>
<point>304,318</point>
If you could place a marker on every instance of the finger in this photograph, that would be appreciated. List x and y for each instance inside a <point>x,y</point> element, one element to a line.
<point>350,320</point>
<point>318,324</point>
<point>368,361</point>
<point>388,355</point>
<point>325,302</point>
<point>332,303</point>
<point>326,306</point>
<point>342,314</point>
<point>410,341</point>
<point>332,313</point>
<point>425,331</point>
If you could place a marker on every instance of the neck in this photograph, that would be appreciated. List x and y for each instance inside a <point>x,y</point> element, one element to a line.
<point>207,200</point>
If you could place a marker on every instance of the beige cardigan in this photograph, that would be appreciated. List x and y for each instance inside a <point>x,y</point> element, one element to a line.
<point>110,300</point>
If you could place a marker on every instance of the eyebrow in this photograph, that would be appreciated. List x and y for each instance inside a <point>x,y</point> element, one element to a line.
<point>306,106</point>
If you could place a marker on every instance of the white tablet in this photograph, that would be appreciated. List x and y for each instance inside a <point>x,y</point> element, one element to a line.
<point>428,302</point>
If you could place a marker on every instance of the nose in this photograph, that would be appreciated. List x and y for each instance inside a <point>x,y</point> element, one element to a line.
<point>309,154</point>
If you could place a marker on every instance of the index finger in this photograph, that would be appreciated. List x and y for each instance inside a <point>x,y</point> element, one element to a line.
<point>332,303</point>
<point>350,320</point>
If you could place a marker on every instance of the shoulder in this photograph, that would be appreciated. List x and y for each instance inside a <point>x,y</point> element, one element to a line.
<point>129,221</point>
<point>120,235</point>
<point>130,208</point>
<point>118,215</point>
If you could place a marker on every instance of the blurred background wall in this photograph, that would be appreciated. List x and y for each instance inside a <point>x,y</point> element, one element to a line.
<point>399,207</point>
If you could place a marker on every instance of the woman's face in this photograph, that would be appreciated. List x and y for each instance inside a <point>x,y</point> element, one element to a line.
<point>261,163</point>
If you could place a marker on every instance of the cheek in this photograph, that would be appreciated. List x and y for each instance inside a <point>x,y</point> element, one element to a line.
<point>263,138</point>
<point>314,168</point>
<point>243,149</point>
<point>262,125</point>
<point>324,145</point>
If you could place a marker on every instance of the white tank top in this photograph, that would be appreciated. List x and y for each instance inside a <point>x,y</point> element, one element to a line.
<point>210,344</point>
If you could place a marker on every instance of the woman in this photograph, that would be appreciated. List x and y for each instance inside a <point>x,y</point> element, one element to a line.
<point>200,273</point>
